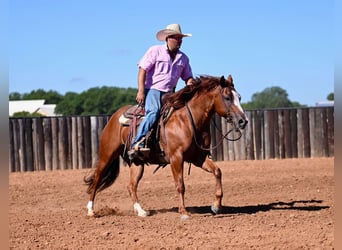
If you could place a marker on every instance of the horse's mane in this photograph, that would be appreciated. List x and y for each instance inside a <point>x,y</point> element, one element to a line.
<point>178,99</point>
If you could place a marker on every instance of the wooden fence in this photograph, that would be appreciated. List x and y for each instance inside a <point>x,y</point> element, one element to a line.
<point>71,142</point>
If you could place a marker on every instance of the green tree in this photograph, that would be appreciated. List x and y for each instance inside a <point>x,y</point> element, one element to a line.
<point>271,97</point>
<point>94,101</point>
<point>71,104</point>
<point>331,97</point>
<point>15,96</point>
<point>50,97</point>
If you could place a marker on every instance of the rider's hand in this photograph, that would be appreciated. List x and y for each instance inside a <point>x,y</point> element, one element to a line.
<point>140,98</point>
<point>190,81</point>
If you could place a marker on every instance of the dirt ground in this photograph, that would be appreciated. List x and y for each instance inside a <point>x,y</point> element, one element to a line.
<point>273,204</point>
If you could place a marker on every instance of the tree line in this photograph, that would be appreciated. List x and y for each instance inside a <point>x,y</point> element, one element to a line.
<point>106,100</point>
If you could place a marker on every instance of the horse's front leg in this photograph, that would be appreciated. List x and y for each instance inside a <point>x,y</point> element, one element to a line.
<point>136,173</point>
<point>177,172</point>
<point>211,167</point>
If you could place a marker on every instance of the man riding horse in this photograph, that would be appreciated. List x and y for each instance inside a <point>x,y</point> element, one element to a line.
<point>159,71</point>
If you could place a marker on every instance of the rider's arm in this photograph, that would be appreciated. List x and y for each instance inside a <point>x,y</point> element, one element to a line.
<point>141,86</point>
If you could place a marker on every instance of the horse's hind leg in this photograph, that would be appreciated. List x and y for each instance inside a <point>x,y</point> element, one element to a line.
<point>136,173</point>
<point>93,183</point>
<point>93,186</point>
<point>103,176</point>
<point>211,167</point>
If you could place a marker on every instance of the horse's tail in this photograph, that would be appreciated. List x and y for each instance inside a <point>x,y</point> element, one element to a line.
<point>107,176</point>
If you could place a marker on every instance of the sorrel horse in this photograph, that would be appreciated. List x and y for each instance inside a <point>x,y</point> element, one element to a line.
<point>184,137</point>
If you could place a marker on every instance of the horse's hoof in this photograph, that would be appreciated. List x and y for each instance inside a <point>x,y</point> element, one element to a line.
<point>90,213</point>
<point>143,214</point>
<point>185,217</point>
<point>215,209</point>
<point>139,211</point>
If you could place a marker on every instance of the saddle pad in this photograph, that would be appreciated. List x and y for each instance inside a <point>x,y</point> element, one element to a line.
<point>126,118</point>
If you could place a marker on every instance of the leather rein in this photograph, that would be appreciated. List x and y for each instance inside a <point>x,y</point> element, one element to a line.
<point>225,136</point>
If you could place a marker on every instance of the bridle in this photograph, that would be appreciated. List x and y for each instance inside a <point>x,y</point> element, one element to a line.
<point>225,136</point>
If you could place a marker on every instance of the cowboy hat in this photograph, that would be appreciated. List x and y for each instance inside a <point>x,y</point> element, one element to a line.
<point>171,29</point>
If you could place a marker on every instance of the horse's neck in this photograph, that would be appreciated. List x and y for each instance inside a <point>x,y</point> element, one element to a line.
<point>201,114</point>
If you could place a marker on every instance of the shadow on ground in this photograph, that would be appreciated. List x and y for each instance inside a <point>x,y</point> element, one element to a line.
<point>303,205</point>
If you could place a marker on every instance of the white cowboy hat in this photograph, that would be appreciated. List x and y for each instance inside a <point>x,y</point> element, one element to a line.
<point>171,29</point>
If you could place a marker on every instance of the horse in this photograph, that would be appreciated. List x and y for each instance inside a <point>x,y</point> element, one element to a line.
<point>183,137</point>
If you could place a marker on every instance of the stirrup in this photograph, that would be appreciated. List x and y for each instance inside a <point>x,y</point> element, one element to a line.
<point>137,146</point>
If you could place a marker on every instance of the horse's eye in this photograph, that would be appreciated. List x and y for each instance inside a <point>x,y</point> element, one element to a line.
<point>228,98</point>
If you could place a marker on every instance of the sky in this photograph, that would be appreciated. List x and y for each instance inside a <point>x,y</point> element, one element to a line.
<point>74,45</point>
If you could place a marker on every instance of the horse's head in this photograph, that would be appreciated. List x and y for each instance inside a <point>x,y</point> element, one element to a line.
<point>229,106</point>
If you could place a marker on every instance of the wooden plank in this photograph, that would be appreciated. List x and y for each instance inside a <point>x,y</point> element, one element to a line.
<point>269,134</point>
<point>74,134</point>
<point>80,142</point>
<point>29,145</point>
<point>300,134</point>
<point>62,143</point>
<point>287,134</point>
<point>21,151</point>
<point>47,142</point>
<point>258,127</point>
<point>40,144</point>
<point>231,148</point>
<point>87,141</point>
<point>306,133</point>
<point>225,142</point>
<point>69,141</point>
<point>54,135</point>
<point>241,145</point>
<point>330,120</point>
<point>11,146</point>
<point>276,140</point>
<point>249,137</point>
<point>94,139</point>
<point>15,126</point>
<point>281,130</point>
<point>316,135</point>
<point>324,131</point>
<point>293,132</point>
<point>312,132</point>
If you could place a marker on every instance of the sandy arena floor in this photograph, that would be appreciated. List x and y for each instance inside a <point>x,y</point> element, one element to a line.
<point>273,204</point>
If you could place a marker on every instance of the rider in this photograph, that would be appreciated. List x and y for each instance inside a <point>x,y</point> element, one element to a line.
<point>159,71</point>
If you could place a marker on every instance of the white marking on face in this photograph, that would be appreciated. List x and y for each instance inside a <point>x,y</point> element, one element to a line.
<point>237,100</point>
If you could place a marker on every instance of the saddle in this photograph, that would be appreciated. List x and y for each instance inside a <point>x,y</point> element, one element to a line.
<point>132,117</point>
<point>131,113</point>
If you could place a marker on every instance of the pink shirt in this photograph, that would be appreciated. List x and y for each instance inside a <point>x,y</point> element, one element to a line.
<point>161,72</point>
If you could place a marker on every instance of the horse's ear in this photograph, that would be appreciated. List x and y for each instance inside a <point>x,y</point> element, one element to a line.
<point>230,79</point>
<point>223,81</point>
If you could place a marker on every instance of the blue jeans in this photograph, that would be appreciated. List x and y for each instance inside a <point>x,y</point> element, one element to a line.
<point>152,112</point>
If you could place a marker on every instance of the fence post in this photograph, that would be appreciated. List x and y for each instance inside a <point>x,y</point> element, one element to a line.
<point>330,121</point>
<point>74,136</point>
<point>94,139</point>
<point>54,133</point>
<point>48,142</point>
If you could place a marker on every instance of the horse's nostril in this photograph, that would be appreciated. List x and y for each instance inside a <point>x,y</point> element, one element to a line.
<point>242,123</point>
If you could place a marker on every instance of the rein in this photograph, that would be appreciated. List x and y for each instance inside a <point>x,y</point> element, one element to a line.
<point>225,136</point>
